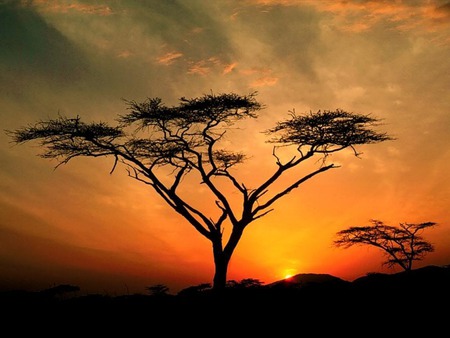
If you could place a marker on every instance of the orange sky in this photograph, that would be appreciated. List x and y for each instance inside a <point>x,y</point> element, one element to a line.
<point>108,233</point>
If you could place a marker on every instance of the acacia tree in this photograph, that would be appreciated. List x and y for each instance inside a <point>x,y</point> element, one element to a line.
<point>185,139</point>
<point>158,290</point>
<point>402,245</point>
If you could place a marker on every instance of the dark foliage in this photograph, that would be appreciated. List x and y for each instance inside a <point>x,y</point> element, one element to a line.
<point>402,245</point>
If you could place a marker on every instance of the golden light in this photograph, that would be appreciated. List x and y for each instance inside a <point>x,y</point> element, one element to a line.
<point>288,273</point>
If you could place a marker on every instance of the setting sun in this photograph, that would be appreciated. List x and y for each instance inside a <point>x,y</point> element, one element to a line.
<point>288,273</point>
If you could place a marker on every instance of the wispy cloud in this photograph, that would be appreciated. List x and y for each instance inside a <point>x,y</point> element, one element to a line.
<point>405,15</point>
<point>437,16</point>
<point>200,68</point>
<point>63,7</point>
<point>358,16</point>
<point>262,77</point>
<point>124,54</point>
<point>204,67</point>
<point>168,58</point>
<point>265,81</point>
<point>229,68</point>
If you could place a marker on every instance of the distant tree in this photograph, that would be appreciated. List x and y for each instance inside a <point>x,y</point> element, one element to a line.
<point>402,245</point>
<point>194,290</point>
<point>157,290</point>
<point>245,283</point>
<point>161,145</point>
<point>60,290</point>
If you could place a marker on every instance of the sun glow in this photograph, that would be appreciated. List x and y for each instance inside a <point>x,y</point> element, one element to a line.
<point>288,273</point>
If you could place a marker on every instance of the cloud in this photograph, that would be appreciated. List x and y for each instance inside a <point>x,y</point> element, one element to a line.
<point>169,58</point>
<point>63,7</point>
<point>438,16</point>
<point>265,81</point>
<point>260,77</point>
<point>124,54</point>
<point>359,16</point>
<point>36,48</point>
<point>200,68</point>
<point>426,17</point>
<point>229,68</point>
<point>204,67</point>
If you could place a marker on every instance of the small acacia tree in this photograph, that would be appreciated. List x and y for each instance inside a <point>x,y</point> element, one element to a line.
<point>158,290</point>
<point>402,245</point>
<point>185,139</point>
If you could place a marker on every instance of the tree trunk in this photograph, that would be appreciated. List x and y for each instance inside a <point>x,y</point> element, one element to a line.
<point>221,267</point>
<point>222,256</point>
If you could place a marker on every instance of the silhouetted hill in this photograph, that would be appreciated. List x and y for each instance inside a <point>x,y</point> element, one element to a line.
<point>373,301</point>
<point>309,280</point>
<point>427,277</point>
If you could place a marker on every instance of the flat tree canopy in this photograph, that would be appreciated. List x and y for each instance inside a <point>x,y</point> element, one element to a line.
<point>402,245</point>
<point>186,139</point>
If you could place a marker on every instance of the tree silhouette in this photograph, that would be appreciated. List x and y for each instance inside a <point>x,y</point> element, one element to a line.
<point>195,289</point>
<point>185,140</point>
<point>245,283</point>
<point>403,244</point>
<point>157,290</point>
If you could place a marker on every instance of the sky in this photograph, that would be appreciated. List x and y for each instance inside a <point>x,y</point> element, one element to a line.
<point>107,233</point>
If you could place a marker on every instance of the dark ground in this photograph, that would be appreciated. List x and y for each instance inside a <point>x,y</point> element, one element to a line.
<point>417,303</point>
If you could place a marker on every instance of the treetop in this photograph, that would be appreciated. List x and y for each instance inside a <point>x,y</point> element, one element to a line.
<point>327,131</point>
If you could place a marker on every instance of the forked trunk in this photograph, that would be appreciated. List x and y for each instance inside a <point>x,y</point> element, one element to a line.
<point>222,257</point>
